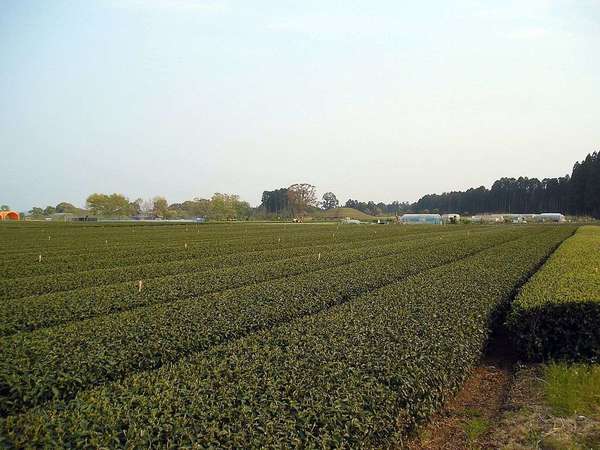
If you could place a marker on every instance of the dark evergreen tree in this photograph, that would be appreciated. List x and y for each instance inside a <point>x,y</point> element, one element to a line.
<point>578,194</point>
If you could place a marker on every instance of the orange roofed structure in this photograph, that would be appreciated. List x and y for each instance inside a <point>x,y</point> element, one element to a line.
<point>9,215</point>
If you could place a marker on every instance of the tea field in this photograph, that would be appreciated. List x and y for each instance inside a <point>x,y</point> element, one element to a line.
<point>249,335</point>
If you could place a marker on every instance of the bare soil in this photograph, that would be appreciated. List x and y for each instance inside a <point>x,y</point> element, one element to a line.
<point>466,421</point>
<point>502,406</point>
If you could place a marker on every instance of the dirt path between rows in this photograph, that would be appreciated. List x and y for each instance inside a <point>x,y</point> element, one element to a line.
<point>466,421</point>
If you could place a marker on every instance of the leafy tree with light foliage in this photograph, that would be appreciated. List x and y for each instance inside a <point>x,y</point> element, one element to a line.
<point>113,205</point>
<point>36,211</point>
<point>160,207</point>
<point>228,206</point>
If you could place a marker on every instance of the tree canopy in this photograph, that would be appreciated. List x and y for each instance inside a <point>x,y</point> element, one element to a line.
<point>301,196</point>
<point>113,205</point>
<point>578,194</point>
<point>329,201</point>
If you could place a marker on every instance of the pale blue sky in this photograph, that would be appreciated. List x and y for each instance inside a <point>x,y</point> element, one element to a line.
<point>374,100</point>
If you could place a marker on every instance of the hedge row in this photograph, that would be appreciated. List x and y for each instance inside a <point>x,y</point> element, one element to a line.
<point>45,284</point>
<point>358,375</point>
<point>52,309</point>
<point>27,267</point>
<point>78,244</point>
<point>71,239</point>
<point>59,361</point>
<point>557,314</point>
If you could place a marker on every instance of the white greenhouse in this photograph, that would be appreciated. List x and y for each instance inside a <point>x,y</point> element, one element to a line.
<point>421,219</point>
<point>551,217</point>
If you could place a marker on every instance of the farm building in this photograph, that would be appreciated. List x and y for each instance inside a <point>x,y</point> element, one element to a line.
<point>432,219</point>
<point>9,215</point>
<point>450,218</point>
<point>551,217</point>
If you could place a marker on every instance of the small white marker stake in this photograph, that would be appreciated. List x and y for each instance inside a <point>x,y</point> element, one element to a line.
<point>185,246</point>
<point>40,258</point>
<point>48,237</point>
<point>140,285</point>
<point>319,258</point>
<point>278,239</point>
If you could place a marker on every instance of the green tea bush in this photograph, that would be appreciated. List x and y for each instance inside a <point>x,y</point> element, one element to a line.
<point>144,247</point>
<point>191,260</point>
<point>57,362</point>
<point>359,374</point>
<point>62,307</point>
<point>557,314</point>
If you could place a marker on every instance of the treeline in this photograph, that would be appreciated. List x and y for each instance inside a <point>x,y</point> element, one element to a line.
<point>575,194</point>
<point>285,202</point>
<point>296,200</point>
<point>377,209</point>
<point>218,207</point>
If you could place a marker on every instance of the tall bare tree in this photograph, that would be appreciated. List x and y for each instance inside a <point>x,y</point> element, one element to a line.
<point>301,196</point>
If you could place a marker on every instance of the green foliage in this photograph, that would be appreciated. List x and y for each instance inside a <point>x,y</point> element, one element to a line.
<point>329,201</point>
<point>349,356</point>
<point>48,362</point>
<point>190,281</point>
<point>557,314</point>
<point>73,250</point>
<point>113,205</point>
<point>160,207</point>
<point>64,207</point>
<point>476,427</point>
<point>36,211</point>
<point>578,195</point>
<point>573,389</point>
<point>276,201</point>
<point>196,257</point>
<point>227,206</point>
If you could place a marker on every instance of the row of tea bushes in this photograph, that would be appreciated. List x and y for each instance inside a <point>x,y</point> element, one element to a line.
<point>52,309</point>
<point>28,266</point>
<point>59,361</point>
<point>357,375</point>
<point>557,314</point>
<point>190,262</point>
<point>124,241</point>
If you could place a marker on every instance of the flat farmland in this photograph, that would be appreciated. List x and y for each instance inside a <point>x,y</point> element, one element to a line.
<point>246,335</point>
